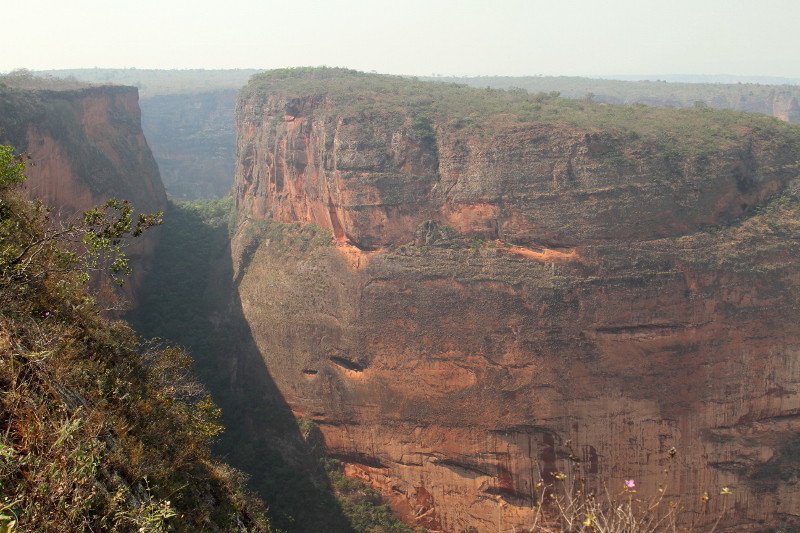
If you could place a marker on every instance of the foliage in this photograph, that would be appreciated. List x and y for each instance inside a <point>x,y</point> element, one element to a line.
<point>292,238</point>
<point>98,431</point>
<point>86,244</point>
<point>683,132</point>
<point>362,506</point>
<point>12,167</point>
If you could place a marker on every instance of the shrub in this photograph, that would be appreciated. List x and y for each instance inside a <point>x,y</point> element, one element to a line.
<point>98,430</point>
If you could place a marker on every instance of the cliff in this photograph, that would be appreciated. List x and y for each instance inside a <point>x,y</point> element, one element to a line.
<point>193,141</point>
<point>86,146</point>
<point>510,272</point>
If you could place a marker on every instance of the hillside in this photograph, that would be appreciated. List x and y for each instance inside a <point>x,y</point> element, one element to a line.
<point>517,281</point>
<point>99,430</point>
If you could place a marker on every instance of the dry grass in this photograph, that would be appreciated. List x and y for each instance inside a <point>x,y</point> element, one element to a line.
<point>567,505</point>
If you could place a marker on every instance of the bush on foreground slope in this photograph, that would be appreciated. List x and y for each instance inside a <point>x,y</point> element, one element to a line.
<point>98,431</point>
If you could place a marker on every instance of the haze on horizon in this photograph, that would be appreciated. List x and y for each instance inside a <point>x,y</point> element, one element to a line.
<point>415,37</point>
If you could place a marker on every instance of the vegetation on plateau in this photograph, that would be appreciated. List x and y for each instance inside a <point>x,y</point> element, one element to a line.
<point>99,430</point>
<point>753,97</point>
<point>25,79</point>
<point>679,131</point>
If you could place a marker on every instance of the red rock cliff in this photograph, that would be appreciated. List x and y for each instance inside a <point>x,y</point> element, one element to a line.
<point>86,146</point>
<point>500,285</point>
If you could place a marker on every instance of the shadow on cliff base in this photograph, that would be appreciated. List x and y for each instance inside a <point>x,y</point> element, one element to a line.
<point>188,298</point>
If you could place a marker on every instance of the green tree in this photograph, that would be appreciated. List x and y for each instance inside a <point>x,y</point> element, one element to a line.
<point>95,240</point>
<point>12,167</point>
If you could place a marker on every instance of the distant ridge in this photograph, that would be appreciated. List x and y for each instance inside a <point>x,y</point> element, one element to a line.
<point>152,82</point>
<point>703,78</point>
<point>778,100</point>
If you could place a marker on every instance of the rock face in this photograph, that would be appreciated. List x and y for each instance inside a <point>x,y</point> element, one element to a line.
<point>86,146</point>
<point>499,285</point>
<point>193,141</point>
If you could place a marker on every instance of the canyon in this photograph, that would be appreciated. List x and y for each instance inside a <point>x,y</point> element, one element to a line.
<point>510,281</point>
<point>99,429</point>
<point>467,292</point>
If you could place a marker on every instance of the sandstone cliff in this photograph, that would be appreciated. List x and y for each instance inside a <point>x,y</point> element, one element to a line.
<point>86,146</point>
<point>187,117</point>
<point>510,272</point>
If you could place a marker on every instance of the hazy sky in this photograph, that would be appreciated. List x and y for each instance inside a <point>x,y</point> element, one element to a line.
<point>420,37</point>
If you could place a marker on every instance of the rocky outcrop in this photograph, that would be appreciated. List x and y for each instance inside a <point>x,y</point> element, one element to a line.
<point>86,145</point>
<point>500,283</point>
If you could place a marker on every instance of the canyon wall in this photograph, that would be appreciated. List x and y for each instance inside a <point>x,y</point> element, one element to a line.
<point>86,145</point>
<point>187,117</point>
<point>519,286</point>
<point>193,141</point>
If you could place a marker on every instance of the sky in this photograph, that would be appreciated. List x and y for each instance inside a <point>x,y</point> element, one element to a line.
<point>415,37</point>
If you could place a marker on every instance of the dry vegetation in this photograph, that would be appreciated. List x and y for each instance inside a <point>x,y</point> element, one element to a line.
<point>683,132</point>
<point>98,431</point>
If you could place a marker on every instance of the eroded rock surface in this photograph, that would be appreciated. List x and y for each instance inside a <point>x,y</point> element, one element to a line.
<point>499,285</point>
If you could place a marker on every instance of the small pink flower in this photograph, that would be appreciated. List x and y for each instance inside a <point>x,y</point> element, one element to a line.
<point>630,484</point>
